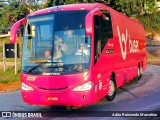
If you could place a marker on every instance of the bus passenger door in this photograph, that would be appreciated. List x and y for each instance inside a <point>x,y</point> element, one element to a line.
<point>102,33</point>
<point>103,49</point>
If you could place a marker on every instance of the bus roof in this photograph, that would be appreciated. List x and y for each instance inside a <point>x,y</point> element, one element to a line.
<point>83,6</point>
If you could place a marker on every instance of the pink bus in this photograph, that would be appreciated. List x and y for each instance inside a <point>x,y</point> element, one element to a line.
<point>74,55</point>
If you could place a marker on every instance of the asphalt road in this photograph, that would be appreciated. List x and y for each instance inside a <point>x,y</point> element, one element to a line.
<point>142,95</point>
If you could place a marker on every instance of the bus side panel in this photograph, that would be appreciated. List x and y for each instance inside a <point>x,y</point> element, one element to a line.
<point>130,47</point>
<point>102,72</point>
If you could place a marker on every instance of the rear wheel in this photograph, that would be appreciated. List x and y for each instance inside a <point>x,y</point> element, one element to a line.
<point>112,89</point>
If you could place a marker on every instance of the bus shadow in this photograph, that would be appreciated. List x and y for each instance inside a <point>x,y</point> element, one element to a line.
<point>128,91</point>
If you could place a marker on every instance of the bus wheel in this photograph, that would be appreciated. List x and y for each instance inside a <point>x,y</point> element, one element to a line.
<point>112,89</point>
<point>139,72</point>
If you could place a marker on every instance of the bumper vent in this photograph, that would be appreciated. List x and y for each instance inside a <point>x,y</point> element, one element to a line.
<point>53,88</point>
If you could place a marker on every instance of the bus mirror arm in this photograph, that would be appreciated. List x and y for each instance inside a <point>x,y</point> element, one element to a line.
<point>89,21</point>
<point>15,28</point>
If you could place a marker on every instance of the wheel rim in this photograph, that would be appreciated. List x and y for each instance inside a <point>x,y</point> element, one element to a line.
<point>111,88</point>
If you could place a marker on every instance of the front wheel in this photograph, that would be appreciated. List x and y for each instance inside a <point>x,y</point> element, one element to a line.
<point>112,90</point>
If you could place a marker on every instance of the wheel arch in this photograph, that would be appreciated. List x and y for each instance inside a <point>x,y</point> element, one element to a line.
<point>113,75</point>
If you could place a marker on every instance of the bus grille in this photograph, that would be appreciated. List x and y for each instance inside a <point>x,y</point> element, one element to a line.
<point>53,88</point>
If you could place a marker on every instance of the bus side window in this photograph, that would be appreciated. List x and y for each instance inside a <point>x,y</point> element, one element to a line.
<point>106,28</point>
<point>102,32</point>
<point>97,38</point>
<point>29,41</point>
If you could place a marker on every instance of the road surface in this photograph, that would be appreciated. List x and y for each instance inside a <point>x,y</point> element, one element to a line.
<point>143,95</point>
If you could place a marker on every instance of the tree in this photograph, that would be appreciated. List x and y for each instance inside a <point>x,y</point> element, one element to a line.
<point>13,10</point>
<point>11,13</point>
<point>135,7</point>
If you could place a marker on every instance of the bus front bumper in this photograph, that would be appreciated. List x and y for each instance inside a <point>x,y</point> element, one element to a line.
<point>58,99</point>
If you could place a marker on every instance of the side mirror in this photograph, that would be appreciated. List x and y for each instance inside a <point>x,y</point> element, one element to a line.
<point>89,21</point>
<point>15,28</point>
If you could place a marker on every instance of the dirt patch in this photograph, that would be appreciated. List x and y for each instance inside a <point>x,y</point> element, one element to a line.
<point>153,55</point>
<point>8,87</point>
<point>153,61</point>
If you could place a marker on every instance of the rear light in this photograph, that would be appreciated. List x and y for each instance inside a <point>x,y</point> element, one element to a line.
<point>26,87</point>
<point>84,87</point>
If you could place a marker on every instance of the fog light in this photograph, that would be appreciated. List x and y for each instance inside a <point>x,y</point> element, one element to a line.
<point>83,96</point>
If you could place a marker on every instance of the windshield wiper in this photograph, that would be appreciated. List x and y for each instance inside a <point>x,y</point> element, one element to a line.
<point>39,65</point>
<point>54,65</point>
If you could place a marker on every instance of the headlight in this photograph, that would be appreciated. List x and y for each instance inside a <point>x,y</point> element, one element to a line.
<point>26,87</point>
<point>84,87</point>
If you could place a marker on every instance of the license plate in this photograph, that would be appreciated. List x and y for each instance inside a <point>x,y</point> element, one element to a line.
<point>50,98</point>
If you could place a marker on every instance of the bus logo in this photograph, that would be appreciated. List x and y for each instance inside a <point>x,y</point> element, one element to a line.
<point>31,78</point>
<point>133,44</point>
<point>88,29</point>
<point>123,38</point>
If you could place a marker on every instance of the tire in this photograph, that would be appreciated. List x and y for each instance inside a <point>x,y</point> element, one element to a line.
<point>112,89</point>
<point>139,73</point>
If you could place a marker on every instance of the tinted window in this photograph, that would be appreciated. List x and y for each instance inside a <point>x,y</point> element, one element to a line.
<point>103,32</point>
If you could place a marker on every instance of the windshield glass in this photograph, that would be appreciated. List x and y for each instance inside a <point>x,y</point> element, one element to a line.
<point>56,44</point>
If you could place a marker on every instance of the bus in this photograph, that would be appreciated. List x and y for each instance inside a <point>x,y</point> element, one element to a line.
<point>74,55</point>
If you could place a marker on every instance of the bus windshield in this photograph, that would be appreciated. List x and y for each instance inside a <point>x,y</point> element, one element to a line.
<point>56,44</point>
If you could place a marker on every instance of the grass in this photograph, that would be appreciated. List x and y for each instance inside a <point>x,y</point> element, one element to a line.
<point>9,76</point>
<point>11,60</point>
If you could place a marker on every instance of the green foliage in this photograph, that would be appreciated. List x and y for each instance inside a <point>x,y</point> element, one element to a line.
<point>128,7</point>
<point>135,7</point>
<point>79,1</point>
<point>49,3</point>
<point>15,10</point>
<point>3,20</point>
<point>151,22</point>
